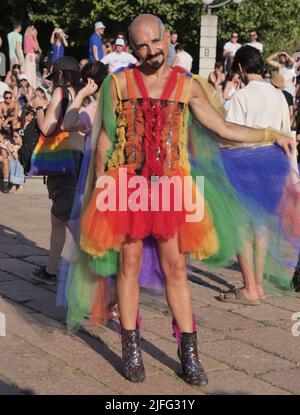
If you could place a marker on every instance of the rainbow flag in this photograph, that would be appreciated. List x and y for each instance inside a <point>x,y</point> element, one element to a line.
<point>52,155</point>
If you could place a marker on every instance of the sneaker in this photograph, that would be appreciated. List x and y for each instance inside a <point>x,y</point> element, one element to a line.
<point>42,276</point>
<point>296,281</point>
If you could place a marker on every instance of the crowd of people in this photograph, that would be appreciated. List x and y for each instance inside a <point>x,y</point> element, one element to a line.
<point>29,80</point>
<point>280,71</point>
<point>147,119</point>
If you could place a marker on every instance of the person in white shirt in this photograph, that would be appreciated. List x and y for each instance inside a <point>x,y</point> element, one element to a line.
<point>119,58</point>
<point>285,65</point>
<point>253,41</point>
<point>182,58</point>
<point>230,49</point>
<point>259,104</point>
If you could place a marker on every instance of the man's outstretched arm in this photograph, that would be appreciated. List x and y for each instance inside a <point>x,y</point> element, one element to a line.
<point>211,119</point>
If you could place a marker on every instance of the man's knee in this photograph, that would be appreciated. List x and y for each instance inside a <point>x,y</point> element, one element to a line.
<point>175,269</point>
<point>131,263</point>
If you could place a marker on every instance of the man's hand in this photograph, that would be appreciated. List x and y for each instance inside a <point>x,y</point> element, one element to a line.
<point>287,144</point>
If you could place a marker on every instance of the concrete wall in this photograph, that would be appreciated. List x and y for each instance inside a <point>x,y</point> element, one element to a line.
<point>208,44</point>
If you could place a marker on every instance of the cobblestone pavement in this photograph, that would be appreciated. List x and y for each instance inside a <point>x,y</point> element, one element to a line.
<point>245,350</point>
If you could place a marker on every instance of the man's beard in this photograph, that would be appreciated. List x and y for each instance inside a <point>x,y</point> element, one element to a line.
<point>157,64</point>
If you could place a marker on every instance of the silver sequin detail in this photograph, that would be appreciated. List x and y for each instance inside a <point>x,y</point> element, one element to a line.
<point>169,146</point>
<point>158,153</point>
<point>134,130</point>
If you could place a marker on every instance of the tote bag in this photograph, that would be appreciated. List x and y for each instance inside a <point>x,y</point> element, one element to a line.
<point>53,154</point>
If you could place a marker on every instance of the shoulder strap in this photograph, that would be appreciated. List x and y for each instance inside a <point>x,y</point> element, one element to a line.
<point>170,85</point>
<point>130,90</point>
<point>140,83</point>
<point>179,87</point>
<point>188,92</point>
<point>115,78</point>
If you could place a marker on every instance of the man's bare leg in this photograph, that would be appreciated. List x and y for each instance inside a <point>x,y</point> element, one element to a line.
<point>128,299</point>
<point>180,302</point>
<point>177,287</point>
<point>127,282</point>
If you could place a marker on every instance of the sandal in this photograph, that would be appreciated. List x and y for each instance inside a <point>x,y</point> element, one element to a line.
<point>236,296</point>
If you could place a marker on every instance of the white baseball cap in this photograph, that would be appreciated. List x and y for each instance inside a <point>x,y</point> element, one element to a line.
<point>120,42</point>
<point>99,25</point>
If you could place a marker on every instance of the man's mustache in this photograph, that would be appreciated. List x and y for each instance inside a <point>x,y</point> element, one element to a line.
<point>149,57</point>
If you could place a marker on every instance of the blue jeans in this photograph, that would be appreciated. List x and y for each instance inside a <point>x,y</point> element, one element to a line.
<point>16,172</point>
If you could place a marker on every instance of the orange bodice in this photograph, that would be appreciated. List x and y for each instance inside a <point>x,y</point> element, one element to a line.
<point>151,133</point>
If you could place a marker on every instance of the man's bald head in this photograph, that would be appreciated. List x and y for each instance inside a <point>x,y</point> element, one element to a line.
<point>145,20</point>
<point>150,40</point>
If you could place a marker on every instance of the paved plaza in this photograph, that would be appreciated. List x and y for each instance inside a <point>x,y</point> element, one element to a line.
<point>245,350</point>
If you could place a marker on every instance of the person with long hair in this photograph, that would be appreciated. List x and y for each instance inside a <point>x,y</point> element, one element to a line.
<point>231,86</point>
<point>42,93</point>
<point>217,77</point>
<point>12,77</point>
<point>61,187</point>
<point>31,47</point>
<point>80,117</point>
<point>25,92</point>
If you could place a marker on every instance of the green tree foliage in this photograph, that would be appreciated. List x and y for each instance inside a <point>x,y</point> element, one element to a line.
<point>275,20</point>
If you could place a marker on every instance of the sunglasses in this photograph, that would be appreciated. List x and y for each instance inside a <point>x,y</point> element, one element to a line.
<point>236,37</point>
<point>8,98</point>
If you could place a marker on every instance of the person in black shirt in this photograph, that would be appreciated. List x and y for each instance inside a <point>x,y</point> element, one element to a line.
<point>30,136</point>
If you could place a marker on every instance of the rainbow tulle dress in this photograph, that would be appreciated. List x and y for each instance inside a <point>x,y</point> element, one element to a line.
<point>151,142</point>
<point>160,138</point>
